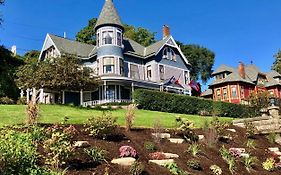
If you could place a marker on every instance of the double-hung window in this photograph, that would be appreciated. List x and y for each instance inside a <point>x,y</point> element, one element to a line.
<point>107,37</point>
<point>108,65</point>
<point>149,72</point>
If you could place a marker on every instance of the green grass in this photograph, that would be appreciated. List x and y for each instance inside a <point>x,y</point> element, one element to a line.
<point>15,114</point>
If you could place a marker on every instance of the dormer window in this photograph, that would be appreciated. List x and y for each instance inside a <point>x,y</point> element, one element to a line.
<point>169,54</point>
<point>107,37</point>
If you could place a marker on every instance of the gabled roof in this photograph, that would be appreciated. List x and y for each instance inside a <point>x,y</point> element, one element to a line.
<point>208,92</point>
<point>130,46</point>
<point>71,47</point>
<point>155,47</point>
<point>223,68</point>
<point>271,79</point>
<point>108,15</point>
<point>273,74</point>
<point>252,71</point>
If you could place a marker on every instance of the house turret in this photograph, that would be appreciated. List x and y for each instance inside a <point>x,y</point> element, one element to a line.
<point>109,36</point>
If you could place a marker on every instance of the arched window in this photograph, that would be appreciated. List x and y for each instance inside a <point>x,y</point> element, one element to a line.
<point>169,54</point>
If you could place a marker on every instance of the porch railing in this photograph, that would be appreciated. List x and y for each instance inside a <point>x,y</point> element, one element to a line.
<point>101,102</point>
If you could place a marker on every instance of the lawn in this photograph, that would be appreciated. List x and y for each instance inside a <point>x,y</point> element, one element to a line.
<point>15,114</point>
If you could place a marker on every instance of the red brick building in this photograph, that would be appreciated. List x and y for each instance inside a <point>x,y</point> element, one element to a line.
<point>234,85</point>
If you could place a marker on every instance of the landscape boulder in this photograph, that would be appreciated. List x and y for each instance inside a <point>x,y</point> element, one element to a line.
<point>162,162</point>
<point>81,144</point>
<point>126,161</point>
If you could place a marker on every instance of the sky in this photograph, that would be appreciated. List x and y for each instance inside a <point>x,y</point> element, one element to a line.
<point>235,30</point>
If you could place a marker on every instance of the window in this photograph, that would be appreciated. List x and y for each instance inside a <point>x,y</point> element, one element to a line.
<point>121,66</point>
<point>234,91</point>
<point>110,93</point>
<point>218,94</point>
<point>242,92</point>
<point>149,73</point>
<point>119,38</point>
<point>108,65</point>
<point>134,72</point>
<point>162,72</point>
<point>169,54</point>
<point>98,39</point>
<point>224,93</point>
<point>107,37</point>
<point>186,77</point>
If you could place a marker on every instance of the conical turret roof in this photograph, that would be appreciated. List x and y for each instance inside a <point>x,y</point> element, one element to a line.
<point>108,15</point>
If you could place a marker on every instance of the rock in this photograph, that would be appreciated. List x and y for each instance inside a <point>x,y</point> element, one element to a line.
<point>171,155</point>
<point>162,162</point>
<point>275,149</point>
<point>226,138</point>
<point>126,161</point>
<point>81,144</point>
<point>162,135</point>
<point>201,137</point>
<point>231,130</point>
<point>278,153</point>
<point>178,141</point>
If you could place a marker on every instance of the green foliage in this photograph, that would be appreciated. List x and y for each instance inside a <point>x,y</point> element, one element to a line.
<point>140,35</point>
<point>21,101</point>
<point>174,103</point>
<point>201,59</point>
<point>136,168</point>
<point>31,56</point>
<point>271,137</point>
<point>250,143</point>
<point>277,63</point>
<point>8,66</point>
<point>6,101</point>
<point>175,170</point>
<point>37,133</point>
<point>216,170</point>
<point>101,126</point>
<point>48,73</point>
<point>149,146</point>
<point>258,102</point>
<point>59,150</point>
<point>230,160</point>
<point>218,126</point>
<point>45,171</point>
<point>184,129</point>
<point>194,149</point>
<point>32,112</point>
<point>97,155</point>
<point>269,164</point>
<point>250,129</point>
<point>194,164</point>
<point>17,153</point>
<point>249,162</point>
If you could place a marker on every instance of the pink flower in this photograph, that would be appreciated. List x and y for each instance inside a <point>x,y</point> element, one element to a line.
<point>127,151</point>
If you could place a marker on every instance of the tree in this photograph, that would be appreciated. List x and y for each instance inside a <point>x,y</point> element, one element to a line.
<point>8,66</point>
<point>201,60</point>
<point>141,35</point>
<point>31,56</point>
<point>277,63</point>
<point>53,74</point>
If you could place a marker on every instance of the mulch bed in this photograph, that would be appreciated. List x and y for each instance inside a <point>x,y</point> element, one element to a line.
<point>81,165</point>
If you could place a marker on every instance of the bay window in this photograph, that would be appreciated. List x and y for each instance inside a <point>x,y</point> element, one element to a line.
<point>108,65</point>
<point>107,37</point>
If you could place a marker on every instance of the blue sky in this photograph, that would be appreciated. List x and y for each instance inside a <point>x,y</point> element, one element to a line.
<point>236,30</point>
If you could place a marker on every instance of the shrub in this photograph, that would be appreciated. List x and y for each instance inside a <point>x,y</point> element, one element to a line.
<point>184,129</point>
<point>21,101</point>
<point>6,101</point>
<point>130,116</point>
<point>227,156</point>
<point>70,131</point>
<point>37,133</point>
<point>96,154</point>
<point>269,164</point>
<point>194,164</point>
<point>136,168</point>
<point>216,170</point>
<point>174,103</point>
<point>102,126</point>
<point>157,156</point>
<point>175,170</point>
<point>219,126</point>
<point>17,152</point>
<point>194,149</point>
<point>249,162</point>
<point>250,129</point>
<point>271,137</point>
<point>251,144</point>
<point>149,146</point>
<point>127,151</point>
<point>59,150</point>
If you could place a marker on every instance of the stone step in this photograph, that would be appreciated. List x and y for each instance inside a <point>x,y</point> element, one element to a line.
<point>162,135</point>
<point>126,161</point>
<point>162,162</point>
<point>176,140</point>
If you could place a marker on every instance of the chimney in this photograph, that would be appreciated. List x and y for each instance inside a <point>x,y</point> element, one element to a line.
<point>14,50</point>
<point>241,69</point>
<point>166,31</point>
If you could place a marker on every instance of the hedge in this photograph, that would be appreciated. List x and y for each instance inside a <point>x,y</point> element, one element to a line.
<point>175,103</point>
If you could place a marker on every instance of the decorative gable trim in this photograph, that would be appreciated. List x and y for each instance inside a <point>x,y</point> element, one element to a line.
<point>44,46</point>
<point>168,43</point>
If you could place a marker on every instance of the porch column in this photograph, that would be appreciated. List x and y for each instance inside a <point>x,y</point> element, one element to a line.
<point>133,89</point>
<point>105,98</point>
<point>115,92</point>
<point>63,97</point>
<point>21,93</point>
<point>120,92</point>
<point>27,95</point>
<point>81,97</point>
<point>41,97</point>
<point>100,92</point>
